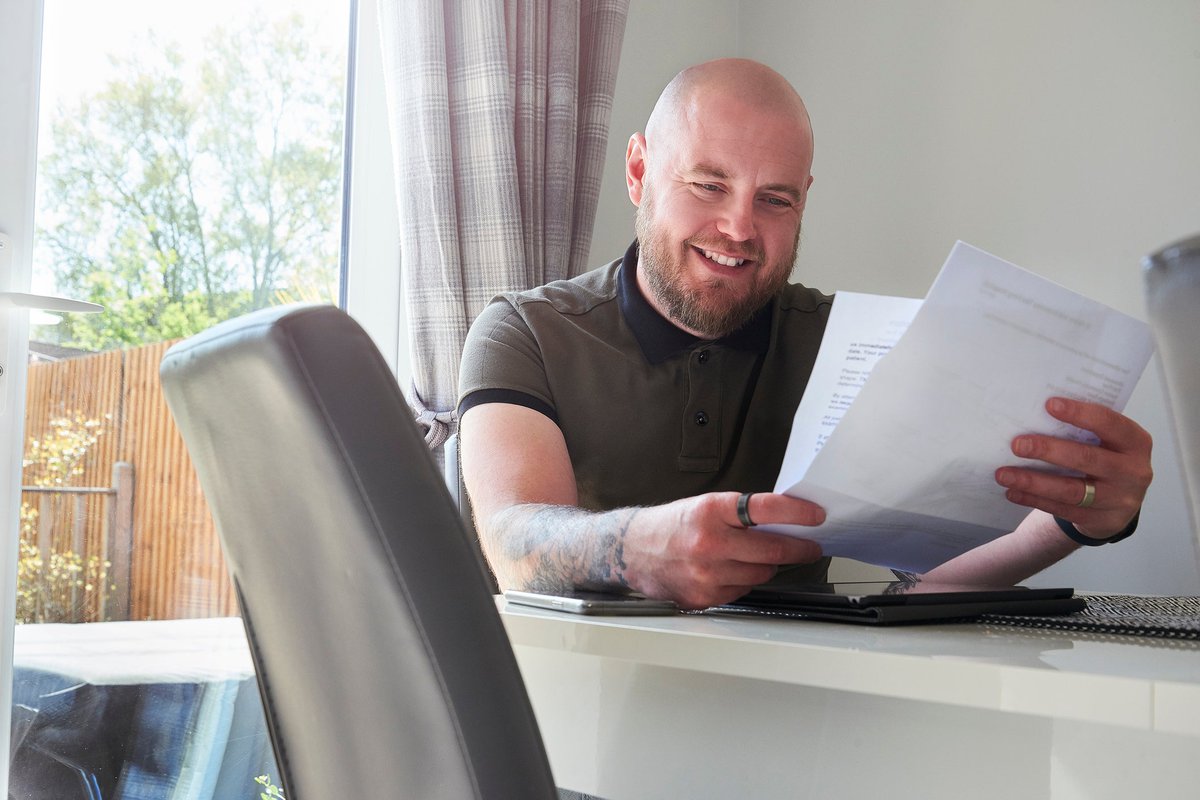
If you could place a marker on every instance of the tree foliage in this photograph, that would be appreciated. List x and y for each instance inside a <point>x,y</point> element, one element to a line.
<point>186,192</point>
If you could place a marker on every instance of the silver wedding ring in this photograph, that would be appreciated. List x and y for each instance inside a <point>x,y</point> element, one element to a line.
<point>743,509</point>
<point>1089,494</point>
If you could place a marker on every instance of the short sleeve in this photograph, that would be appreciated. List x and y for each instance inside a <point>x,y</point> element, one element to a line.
<point>502,360</point>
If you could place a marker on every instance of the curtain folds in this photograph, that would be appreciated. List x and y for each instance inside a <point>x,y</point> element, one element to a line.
<point>499,114</point>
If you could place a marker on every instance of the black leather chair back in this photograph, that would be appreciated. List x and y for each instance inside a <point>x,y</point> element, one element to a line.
<point>384,667</point>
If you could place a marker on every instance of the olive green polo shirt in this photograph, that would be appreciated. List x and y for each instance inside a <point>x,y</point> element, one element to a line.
<point>650,413</point>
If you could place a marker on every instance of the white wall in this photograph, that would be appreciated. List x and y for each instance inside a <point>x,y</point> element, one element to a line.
<point>661,38</point>
<point>1061,135</point>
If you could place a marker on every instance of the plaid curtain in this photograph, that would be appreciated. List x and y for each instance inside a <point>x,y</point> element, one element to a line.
<point>499,114</point>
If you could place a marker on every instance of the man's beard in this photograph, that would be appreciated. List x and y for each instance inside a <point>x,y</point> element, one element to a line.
<point>712,309</point>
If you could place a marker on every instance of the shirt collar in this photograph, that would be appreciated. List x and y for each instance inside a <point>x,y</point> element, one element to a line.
<point>660,339</point>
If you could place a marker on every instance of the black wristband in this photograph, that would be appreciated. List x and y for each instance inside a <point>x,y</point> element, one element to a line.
<point>1074,534</point>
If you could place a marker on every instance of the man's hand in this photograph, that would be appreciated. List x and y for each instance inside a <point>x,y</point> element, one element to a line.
<point>696,552</point>
<point>1118,467</point>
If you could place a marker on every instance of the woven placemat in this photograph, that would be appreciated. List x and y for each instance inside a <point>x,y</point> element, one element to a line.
<point>1165,617</point>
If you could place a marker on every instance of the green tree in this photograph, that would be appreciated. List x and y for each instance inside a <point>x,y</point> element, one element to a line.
<point>181,194</point>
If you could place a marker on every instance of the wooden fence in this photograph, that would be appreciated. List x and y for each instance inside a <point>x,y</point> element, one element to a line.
<point>175,567</point>
<point>72,570</point>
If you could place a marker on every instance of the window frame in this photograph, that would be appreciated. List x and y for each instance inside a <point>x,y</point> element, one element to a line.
<point>373,234</point>
<point>20,62</point>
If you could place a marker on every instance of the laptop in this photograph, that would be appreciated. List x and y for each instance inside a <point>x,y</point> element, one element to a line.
<point>898,602</point>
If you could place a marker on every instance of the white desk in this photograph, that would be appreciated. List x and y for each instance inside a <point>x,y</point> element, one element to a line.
<point>723,707</point>
<point>137,652</point>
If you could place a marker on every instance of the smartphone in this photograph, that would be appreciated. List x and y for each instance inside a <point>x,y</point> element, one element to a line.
<point>594,603</point>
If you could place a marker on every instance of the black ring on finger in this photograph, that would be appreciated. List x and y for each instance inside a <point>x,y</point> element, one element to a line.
<point>743,509</point>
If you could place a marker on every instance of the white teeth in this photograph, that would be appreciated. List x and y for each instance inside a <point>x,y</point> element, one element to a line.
<point>724,261</point>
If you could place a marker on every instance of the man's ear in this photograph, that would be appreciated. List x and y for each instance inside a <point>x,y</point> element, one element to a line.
<point>635,167</point>
<point>807,185</point>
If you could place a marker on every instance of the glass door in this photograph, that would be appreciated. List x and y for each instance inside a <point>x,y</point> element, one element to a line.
<point>189,168</point>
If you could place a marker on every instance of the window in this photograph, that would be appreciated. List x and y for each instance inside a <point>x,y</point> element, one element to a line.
<point>190,167</point>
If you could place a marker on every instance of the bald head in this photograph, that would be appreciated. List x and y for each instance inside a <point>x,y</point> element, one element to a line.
<point>692,92</point>
<point>720,178</point>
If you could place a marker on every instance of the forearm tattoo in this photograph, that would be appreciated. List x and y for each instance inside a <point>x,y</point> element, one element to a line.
<point>547,548</point>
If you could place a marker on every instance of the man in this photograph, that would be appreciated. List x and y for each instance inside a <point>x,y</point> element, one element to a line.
<point>624,429</point>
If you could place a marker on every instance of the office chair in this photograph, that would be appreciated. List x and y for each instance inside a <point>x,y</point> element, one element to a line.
<point>1172,283</point>
<point>383,664</point>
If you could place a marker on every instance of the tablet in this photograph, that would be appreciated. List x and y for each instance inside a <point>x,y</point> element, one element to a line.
<point>580,602</point>
<point>907,601</point>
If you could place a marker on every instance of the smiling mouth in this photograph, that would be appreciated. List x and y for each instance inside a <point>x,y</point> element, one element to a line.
<point>723,260</point>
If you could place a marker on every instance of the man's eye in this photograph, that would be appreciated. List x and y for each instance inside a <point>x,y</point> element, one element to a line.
<point>779,202</point>
<point>707,187</point>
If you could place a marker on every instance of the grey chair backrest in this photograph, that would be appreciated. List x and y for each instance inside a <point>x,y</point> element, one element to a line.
<point>1172,278</point>
<point>382,661</point>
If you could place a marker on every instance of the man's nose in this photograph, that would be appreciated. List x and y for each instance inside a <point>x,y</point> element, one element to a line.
<point>737,219</point>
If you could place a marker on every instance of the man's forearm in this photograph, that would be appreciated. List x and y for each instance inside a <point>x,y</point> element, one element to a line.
<point>553,548</point>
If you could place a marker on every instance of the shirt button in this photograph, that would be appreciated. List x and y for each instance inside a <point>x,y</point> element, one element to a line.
<point>701,418</point>
<point>702,356</point>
